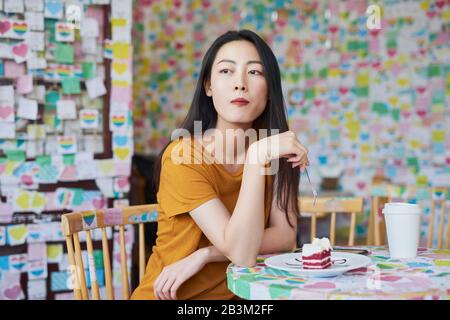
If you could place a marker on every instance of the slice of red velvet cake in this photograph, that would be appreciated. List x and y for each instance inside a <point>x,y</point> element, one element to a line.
<point>317,255</point>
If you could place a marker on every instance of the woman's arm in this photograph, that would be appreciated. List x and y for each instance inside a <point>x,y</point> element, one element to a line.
<point>239,236</point>
<point>278,237</point>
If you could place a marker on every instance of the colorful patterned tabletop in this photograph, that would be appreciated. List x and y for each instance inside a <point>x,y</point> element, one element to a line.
<point>425,277</point>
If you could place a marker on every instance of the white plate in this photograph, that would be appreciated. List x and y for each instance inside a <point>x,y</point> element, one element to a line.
<point>288,262</point>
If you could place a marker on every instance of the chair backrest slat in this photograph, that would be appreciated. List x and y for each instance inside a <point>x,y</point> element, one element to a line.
<point>107,266</point>
<point>333,228</point>
<point>75,222</point>
<point>74,274</point>
<point>80,267</point>
<point>92,269</point>
<point>351,236</point>
<point>441,225</point>
<point>123,263</point>
<point>141,251</point>
<point>438,195</point>
<point>447,241</point>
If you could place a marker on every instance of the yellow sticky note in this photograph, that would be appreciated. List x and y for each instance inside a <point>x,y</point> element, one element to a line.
<point>445,15</point>
<point>422,180</point>
<point>388,63</point>
<point>334,72</point>
<point>121,50</point>
<point>119,22</point>
<point>121,83</point>
<point>403,82</point>
<point>54,252</point>
<point>415,144</point>
<point>424,5</point>
<point>365,147</point>
<point>362,80</point>
<point>438,136</point>
<point>405,106</point>
<point>393,100</point>
<point>402,58</point>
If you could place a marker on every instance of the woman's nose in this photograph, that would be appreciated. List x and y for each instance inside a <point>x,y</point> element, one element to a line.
<point>240,87</point>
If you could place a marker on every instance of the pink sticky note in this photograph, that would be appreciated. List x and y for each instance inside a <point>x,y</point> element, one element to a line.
<point>119,94</point>
<point>374,44</point>
<point>6,212</point>
<point>25,84</point>
<point>37,251</point>
<point>13,70</point>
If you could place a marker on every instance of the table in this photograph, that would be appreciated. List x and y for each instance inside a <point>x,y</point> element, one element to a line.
<point>425,277</point>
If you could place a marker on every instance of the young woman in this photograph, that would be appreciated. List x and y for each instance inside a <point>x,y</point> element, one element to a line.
<point>213,211</point>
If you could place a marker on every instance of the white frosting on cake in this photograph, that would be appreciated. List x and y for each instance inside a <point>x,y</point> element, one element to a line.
<point>318,245</point>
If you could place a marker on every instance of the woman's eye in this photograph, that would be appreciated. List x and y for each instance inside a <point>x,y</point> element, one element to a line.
<point>257,72</point>
<point>226,71</point>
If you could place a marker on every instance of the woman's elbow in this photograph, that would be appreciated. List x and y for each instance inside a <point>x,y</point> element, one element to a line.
<point>245,262</point>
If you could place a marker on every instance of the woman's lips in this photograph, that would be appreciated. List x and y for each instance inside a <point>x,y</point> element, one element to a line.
<point>240,102</point>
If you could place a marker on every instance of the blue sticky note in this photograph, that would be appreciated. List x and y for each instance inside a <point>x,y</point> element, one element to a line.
<point>58,281</point>
<point>1,69</point>
<point>4,263</point>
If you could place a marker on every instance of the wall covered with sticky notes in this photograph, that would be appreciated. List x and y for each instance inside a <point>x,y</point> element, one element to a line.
<point>368,102</point>
<point>65,129</point>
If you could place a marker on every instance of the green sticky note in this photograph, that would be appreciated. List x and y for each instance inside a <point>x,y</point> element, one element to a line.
<point>98,258</point>
<point>323,73</point>
<point>52,97</point>
<point>395,114</point>
<point>2,160</point>
<point>310,94</point>
<point>380,108</point>
<point>295,76</point>
<point>434,70</point>
<point>49,25</point>
<point>352,45</point>
<point>68,159</point>
<point>44,160</point>
<point>71,85</point>
<point>412,161</point>
<point>361,91</point>
<point>77,197</point>
<point>88,70</point>
<point>49,107</point>
<point>64,53</point>
<point>15,155</point>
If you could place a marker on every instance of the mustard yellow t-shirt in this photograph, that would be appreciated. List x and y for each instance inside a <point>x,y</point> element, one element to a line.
<point>184,187</point>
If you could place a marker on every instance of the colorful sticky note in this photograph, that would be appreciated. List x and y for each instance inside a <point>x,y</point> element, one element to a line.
<point>15,155</point>
<point>24,84</point>
<point>121,50</point>
<point>88,70</point>
<point>64,53</point>
<point>16,234</point>
<point>71,85</point>
<point>54,253</point>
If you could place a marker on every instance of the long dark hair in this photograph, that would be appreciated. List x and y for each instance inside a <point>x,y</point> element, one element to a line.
<point>274,115</point>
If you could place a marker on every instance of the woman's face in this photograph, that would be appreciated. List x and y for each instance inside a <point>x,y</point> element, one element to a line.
<point>238,86</point>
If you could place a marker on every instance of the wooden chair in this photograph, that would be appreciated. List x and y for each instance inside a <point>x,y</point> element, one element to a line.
<point>75,222</point>
<point>438,195</point>
<point>332,205</point>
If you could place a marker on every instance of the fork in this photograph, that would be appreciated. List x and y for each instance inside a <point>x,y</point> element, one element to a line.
<point>314,192</point>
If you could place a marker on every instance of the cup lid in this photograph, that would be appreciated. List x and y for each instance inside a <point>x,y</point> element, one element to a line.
<point>401,208</point>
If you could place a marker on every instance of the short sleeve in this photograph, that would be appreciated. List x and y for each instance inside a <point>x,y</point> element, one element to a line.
<point>183,187</point>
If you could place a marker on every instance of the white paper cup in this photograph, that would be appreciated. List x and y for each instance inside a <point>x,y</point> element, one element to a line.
<point>402,226</point>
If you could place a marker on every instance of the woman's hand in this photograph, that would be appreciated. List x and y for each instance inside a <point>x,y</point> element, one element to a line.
<point>174,275</point>
<point>283,145</point>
